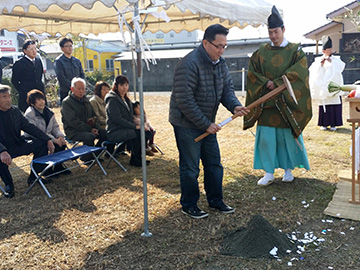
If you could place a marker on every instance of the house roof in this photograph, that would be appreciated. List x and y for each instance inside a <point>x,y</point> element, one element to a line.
<point>342,10</point>
<point>320,29</point>
<point>103,46</point>
<point>332,16</point>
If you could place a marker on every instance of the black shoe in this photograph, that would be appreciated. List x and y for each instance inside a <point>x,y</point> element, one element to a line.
<point>62,169</point>
<point>137,162</point>
<point>66,172</point>
<point>9,191</point>
<point>194,212</point>
<point>31,180</point>
<point>222,207</point>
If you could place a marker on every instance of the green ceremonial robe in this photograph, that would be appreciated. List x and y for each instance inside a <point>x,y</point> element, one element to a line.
<point>270,63</point>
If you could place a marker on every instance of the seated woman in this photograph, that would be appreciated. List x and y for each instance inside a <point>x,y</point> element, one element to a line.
<point>41,116</point>
<point>98,103</point>
<point>120,125</point>
<point>149,130</point>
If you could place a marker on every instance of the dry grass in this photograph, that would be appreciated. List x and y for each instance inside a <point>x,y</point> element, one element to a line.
<point>95,221</point>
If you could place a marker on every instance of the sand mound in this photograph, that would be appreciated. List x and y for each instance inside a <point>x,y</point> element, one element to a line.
<point>257,240</point>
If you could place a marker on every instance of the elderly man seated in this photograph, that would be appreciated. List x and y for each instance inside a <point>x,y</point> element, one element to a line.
<point>12,144</point>
<point>79,119</point>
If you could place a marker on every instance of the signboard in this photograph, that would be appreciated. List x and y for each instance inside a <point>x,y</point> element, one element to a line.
<point>7,44</point>
<point>154,40</point>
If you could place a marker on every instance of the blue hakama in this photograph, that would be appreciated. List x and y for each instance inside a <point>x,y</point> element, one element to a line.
<point>277,148</point>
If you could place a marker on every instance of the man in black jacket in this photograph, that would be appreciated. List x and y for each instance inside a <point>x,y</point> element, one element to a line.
<point>12,144</point>
<point>67,67</point>
<point>27,73</point>
<point>201,82</point>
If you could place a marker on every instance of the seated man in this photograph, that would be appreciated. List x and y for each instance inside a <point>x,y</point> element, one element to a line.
<point>12,144</point>
<point>79,119</point>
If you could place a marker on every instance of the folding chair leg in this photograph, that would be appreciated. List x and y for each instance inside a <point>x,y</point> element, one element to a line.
<point>3,190</point>
<point>38,179</point>
<point>96,159</point>
<point>158,148</point>
<point>117,162</point>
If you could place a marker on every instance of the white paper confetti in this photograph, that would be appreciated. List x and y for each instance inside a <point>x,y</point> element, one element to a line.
<point>289,263</point>
<point>274,251</point>
<point>301,248</point>
<point>274,198</point>
<point>352,228</point>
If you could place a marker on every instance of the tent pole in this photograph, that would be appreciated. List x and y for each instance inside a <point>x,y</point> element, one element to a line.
<point>146,232</point>
<point>133,65</point>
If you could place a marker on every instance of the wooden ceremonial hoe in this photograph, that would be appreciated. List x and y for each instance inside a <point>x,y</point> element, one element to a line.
<point>256,103</point>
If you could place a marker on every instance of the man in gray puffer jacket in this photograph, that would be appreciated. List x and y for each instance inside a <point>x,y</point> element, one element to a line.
<point>201,82</point>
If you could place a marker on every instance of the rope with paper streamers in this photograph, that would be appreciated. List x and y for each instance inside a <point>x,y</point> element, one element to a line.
<point>137,30</point>
<point>143,44</point>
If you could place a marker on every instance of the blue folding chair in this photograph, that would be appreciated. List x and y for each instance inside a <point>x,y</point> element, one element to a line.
<point>62,156</point>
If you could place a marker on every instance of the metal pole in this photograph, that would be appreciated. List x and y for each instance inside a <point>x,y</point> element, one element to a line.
<point>243,80</point>
<point>133,65</point>
<point>146,232</point>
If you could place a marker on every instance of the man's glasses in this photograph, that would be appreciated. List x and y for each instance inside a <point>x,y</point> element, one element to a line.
<point>219,47</point>
<point>68,46</point>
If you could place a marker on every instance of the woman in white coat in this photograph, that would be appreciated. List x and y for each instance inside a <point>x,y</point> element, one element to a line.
<point>41,116</point>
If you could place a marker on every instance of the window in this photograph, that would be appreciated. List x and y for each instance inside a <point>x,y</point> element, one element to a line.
<point>109,65</point>
<point>189,34</point>
<point>90,64</point>
<point>159,35</point>
<point>171,35</point>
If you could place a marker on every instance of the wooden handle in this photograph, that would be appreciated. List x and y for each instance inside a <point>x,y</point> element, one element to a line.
<point>202,136</point>
<point>256,103</point>
<point>266,97</point>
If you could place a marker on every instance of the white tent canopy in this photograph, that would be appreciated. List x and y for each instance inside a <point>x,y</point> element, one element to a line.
<point>100,16</point>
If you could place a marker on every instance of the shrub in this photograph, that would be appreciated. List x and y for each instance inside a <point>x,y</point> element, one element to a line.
<point>97,75</point>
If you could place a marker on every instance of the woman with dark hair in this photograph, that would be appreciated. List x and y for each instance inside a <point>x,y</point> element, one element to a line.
<point>41,116</point>
<point>98,101</point>
<point>120,125</point>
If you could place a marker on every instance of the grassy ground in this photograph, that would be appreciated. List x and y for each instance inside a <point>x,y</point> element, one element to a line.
<point>96,221</point>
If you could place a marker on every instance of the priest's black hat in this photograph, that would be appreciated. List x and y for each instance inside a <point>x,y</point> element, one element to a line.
<point>327,42</point>
<point>275,20</point>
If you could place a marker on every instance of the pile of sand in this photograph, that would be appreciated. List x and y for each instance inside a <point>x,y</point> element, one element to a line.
<point>257,240</point>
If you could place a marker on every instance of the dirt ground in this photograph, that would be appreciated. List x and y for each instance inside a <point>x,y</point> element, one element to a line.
<point>96,221</point>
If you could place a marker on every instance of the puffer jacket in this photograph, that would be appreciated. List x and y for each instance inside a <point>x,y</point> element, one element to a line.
<point>66,69</point>
<point>198,89</point>
<point>119,118</point>
<point>75,114</point>
<point>52,129</point>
